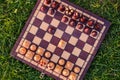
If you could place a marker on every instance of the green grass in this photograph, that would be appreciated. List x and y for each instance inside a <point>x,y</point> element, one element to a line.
<point>13,15</point>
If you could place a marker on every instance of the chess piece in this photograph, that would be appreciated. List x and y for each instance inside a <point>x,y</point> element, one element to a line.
<point>79,26</point>
<point>64,19</point>
<point>76,69</point>
<point>61,62</point>
<point>66,72</point>
<point>22,50</point>
<point>61,8</point>
<point>40,51</point>
<point>50,65</point>
<point>51,30</point>
<point>72,23</point>
<point>47,54</point>
<point>47,1</point>
<point>37,57</point>
<point>33,47</point>
<point>42,8</point>
<point>94,33</point>
<point>51,11</point>
<point>90,22</point>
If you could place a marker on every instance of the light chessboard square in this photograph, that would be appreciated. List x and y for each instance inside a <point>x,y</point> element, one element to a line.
<point>55,58</point>
<point>69,30</point>
<point>51,47</point>
<point>76,51</point>
<point>36,40</point>
<point>73,40</point>
<point>33,29</point>
<point>83,37</point>
<point>47,37</point>
<point>80,62</point>
<point>55,22</point>
<point>87,48</point>
<point>58,33</point>
<point>65,55</point>
<point>40,15</point>
<point>44,26</point>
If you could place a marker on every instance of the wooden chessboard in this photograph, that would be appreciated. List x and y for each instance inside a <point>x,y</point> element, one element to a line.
<point>60,39</point>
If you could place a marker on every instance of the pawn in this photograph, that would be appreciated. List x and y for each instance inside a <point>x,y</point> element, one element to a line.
<point>42,8</point>
<point>94,33</point>
<point>76,69</point>
<point>90,22</point>
<point>66,72</point>
<point>37,57</point>
<point>79,26</point>
<point>33,47</point>
<point>62,8</point>
<point>47,54</point>
<point>83,19</point>
<point>22,50</point>
<point>51,30</point>
<point>72,23</point>
<point>64,19</point>
<point>98,26</point>
<point>51,11</point>
<point>47,1</point>
<point>75,15</point>
<point>61,62</point>
<point>50,65</point>
<point>87,30</point>
<point>54,4</point>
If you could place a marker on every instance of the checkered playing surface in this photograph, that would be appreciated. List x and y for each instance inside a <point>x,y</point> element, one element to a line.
<point>64,54</point>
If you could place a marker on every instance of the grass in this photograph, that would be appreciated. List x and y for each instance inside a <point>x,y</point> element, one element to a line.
<point>14,13</point>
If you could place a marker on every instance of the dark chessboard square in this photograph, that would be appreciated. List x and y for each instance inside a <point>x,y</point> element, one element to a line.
<point>72,58</point>
<point>91,40</point>
<point>58,15</point>
<point>69,48</point>
<point>55,40</point>
<point>48,19</point>
<point>62,26</point>
<point>29,36</point>
<point>66,37</point>
<point>84,55</point>
<point>58,51</point>
<point>80,44</point>
<point>44,44</point>
<point>40,33</point>
<point>76,33</point>
<point>37,22</point>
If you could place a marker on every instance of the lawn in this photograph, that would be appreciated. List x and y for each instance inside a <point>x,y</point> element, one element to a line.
<point>13,15</point>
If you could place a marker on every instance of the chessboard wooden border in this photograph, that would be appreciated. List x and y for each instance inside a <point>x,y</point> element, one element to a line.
<point>106,23</point>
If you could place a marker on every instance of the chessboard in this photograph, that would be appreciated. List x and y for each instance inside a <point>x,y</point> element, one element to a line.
<point>60,39</point>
